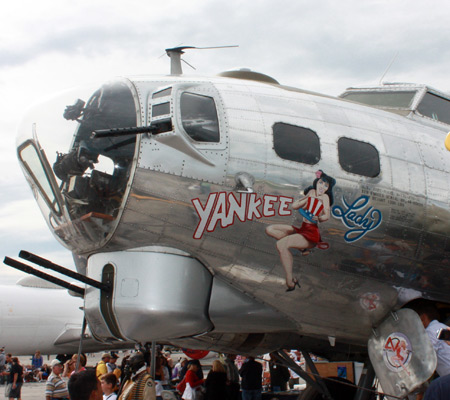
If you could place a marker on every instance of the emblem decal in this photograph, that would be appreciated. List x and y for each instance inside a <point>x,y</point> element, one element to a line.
<point>397,352</point>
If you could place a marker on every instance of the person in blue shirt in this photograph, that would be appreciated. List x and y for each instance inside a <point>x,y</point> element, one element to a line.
<point>37,360</point>
<point>439,389</point>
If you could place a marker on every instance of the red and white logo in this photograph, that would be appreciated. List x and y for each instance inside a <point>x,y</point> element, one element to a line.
<point>370,301</point>
<point>397,352</point>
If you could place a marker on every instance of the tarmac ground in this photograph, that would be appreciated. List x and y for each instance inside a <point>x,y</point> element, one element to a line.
<point>30,391</point>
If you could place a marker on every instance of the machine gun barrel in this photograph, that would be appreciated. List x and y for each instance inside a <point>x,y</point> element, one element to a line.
<point>58,268</point>
<point>29,270</point>
<point>161,126</point>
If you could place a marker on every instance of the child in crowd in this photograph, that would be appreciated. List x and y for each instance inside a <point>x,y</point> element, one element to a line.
<point>108,382</point>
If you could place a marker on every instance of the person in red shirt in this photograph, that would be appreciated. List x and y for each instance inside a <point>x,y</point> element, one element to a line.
<point>191,378</point>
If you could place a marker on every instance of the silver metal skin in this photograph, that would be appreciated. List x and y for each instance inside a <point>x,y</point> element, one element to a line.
<point>346,289</point>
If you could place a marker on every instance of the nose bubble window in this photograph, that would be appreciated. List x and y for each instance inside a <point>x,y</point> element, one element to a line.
<point>199,117</point>
<point>33,165</point>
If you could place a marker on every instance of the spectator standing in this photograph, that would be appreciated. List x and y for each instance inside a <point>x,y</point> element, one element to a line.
<point>170,363</point>
<point>2,364</point>
<point>233,388</point>
<point>162,376</point>
<point>102,368</point>
<point>279,375</point>
<point>56,388</point>
<point>15,379</point>
<point>37,361</point>
<point>5,373</point>
<point>295,378</point>
<point>183,369</point>
<point>216,382</point>
<point>429,316</point>
<point>199,368</point>
<point>112,367</point>
<point>108,383</point>
<point>84,385</point>
<point>177,369</point>
<point>70,365</point>
<point>138,385</point>
<point>191,378</point>
<point>251,373</point>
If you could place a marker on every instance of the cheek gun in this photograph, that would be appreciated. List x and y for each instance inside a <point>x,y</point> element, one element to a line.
<point>29,270</point>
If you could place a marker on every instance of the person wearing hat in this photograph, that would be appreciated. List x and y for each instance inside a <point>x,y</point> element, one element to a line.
<point>102,368</point>
<point>56,388</point>
<point>112,367</point>
<point>112,362</point>
<point>137,383</point>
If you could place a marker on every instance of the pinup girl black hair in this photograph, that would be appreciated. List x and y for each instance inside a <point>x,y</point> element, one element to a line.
<point>325,178</point>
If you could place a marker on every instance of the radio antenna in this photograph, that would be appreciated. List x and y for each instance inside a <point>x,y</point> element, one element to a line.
<point>175,56</point>
<point>388,68</point>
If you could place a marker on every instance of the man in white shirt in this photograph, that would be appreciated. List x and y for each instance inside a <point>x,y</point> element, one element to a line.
<point>429,316</point>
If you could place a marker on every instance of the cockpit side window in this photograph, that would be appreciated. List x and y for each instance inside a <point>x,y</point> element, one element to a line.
<point>435,107</point>
<point>296,143</point>
<point>199,117</point>
<point>359,158</point>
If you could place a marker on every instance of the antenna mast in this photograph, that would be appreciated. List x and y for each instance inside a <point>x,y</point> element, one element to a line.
<point>175,56</point>
<point>389,67</point>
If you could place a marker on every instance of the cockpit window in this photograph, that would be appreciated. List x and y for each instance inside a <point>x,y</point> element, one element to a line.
<point>199,117</point>
<point>435,107</point>
<point>394,99</point>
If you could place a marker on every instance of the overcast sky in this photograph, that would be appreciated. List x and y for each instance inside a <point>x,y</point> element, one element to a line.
<point>323,45</point>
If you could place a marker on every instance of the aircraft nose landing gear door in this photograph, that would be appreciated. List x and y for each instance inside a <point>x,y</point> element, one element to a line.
<point>197,147</point>
<point>401,353</point>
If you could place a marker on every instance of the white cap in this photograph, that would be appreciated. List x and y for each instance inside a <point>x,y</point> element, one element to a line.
<point>55,362</point>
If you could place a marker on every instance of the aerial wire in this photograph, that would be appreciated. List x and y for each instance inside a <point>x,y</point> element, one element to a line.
<point>389,66</point>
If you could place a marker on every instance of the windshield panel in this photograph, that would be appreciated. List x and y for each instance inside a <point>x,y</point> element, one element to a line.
<point>382,99</point>
<point>435,107</point>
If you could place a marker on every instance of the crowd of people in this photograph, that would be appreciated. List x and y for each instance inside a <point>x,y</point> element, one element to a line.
<point>228,378</point>
<point>132,379</point>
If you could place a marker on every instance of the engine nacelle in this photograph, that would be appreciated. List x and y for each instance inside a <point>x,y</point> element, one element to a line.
<point>154,296</point>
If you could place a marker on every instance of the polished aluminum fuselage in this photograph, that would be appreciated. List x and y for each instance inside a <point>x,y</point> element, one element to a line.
<point>346,289</point>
